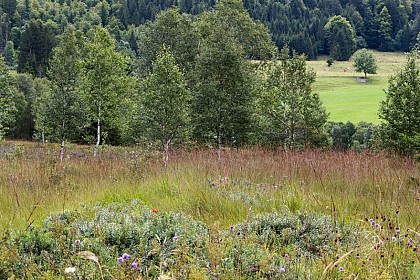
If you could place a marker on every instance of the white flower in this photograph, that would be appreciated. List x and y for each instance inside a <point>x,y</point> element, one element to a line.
<point>70,270</point>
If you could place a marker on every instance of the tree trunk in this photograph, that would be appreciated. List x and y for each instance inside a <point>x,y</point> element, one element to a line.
<point>166,150</point>
<point>62,151</point>
<point>62,142</point>
<point>219,147</point>
<point>98,133</point>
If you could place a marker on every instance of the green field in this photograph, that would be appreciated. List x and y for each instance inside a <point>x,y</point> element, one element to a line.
<point>345,98</point>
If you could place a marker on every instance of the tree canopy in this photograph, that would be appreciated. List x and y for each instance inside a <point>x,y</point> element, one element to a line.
<point>294,113</point>
<point>364,61</point>
<point>340,38</point>
<point>400,109</point>
<point>32,26</point>
<point>165,100</point>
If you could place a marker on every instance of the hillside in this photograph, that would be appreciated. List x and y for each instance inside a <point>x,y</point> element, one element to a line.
<point>345,98</point>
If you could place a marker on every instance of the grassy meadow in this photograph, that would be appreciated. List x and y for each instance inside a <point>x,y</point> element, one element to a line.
<point>345,98</point>
<point>256,214</point>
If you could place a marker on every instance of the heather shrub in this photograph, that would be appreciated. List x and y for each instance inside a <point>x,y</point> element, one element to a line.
<point>123,240</point>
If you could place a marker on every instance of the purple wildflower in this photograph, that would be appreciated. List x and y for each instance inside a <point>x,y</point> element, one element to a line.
<point>134,265</point>
<point>175,238</point>
<point>125,256</point>
<point>341,268</point>
<point>398,232</point>
<point>120,260</point>
<point>286,256</point>
<point>394,238</point>
<point>282,270</point>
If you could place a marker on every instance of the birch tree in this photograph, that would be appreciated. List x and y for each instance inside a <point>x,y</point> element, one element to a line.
<point>104,79</point>
<point>165,101</point>
<point>66,116</point>
<point>222,94</point>
<point>293,111</point>
<point>42,110</point>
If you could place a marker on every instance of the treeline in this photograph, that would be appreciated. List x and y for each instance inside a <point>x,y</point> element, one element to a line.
<point>184,80</point>
<point>386,25</point>
<point>29,28</point>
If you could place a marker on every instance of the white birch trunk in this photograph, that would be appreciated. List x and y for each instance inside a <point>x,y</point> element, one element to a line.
<point>219,147</point>
<point>62,142</point>
<point>62,151</point>
<point>43,135</point>
<point>98,136</point>
<point>166,151</point>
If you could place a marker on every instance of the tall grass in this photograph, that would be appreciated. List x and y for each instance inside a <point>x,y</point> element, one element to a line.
<point>350,186</point>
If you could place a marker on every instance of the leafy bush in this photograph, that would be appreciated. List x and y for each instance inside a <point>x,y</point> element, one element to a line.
<point>131,241</point>
<point>153,240</point>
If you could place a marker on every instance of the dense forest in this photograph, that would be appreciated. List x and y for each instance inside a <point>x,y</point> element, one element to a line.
<point>28,28</point>
<point>197,72</point>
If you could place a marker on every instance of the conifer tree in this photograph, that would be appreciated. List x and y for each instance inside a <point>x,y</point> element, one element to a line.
<point>8,109</point>
<point>340,38</point>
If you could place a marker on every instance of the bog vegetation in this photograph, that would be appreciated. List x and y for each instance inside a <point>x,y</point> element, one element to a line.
<point>255,183</point>
<point>256,213</point>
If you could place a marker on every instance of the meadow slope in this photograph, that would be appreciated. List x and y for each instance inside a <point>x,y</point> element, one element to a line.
<point>345,98</point>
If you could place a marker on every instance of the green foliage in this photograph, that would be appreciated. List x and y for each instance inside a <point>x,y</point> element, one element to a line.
<point>36,43</point>
<point>345,136</point>
<point>364,136</point>
<point>62,114</point>
<point>25,102</point>
<point>10,54</point>
<point>222,80</point>
<point>105,84</point>
<point>330,62</point>
<point>384,30</point>
<point>253,37</point>
<point>44,114</point>
<point>400,110</point>
<point>7,105</point>
<point>173,29</point>
<point>165,101</point>
<point>221,93</point>
<point>293,112</point>
<point>340,38</point>
<point>156,242</point>
<point>341,134</point>
<point>364,61</point>
<point>284,231</point>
